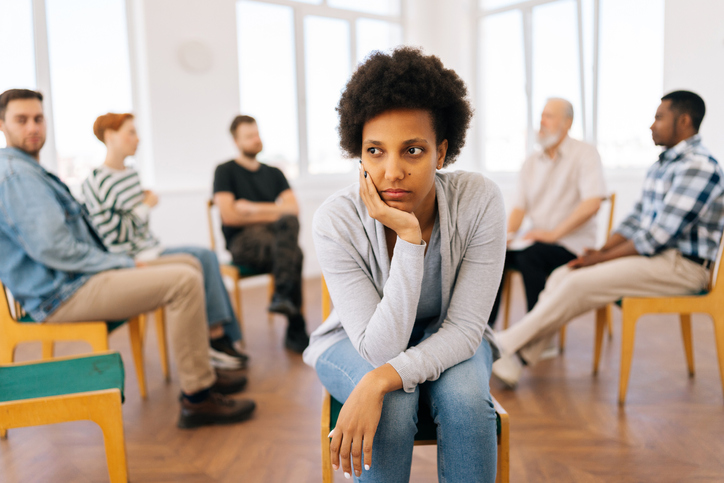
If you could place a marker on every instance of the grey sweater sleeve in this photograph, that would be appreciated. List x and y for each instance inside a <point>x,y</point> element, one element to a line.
<point>378,325</point>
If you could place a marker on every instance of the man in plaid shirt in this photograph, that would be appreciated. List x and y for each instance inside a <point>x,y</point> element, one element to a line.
<point>666,246</point>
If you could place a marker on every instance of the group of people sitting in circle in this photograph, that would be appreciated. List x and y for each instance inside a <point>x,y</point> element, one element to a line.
<point>412,253</point>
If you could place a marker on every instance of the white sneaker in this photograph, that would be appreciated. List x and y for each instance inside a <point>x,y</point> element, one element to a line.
<point>508,369</point>
<point>221,360</point>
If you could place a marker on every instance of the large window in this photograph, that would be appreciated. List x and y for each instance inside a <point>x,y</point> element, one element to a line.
<point>315,47</point>
<point>604,56</point>
<point>84,58</point>
<point>18,62</point>
<point>90,76</point>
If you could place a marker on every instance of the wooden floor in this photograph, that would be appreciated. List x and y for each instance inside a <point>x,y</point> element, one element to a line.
<point>566,425</point>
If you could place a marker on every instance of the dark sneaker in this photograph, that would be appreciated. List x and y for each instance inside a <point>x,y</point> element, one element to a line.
<point>225,356</point>
<point>215,409</point>
<point>297,339</point>
<point>229,381</point>
<point>283,305</point>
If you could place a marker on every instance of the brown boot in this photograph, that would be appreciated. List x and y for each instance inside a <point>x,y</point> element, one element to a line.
<point>215,409</point>
<point>229,381</point>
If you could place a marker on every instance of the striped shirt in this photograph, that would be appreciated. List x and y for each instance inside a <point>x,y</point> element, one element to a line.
<point>682,204</point>
<point>115,202</point>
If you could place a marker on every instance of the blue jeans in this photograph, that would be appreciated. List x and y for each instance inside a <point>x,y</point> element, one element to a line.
<point>218,303</point>
<point>460,404</point>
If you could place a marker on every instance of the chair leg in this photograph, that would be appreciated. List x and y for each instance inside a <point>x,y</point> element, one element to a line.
<point>628,334</point>
<point>270,294</point>
<point>110,420</point>
<point>601,318</point>
<point>327,473</point>
<point>160,317</point>
<point>688,342</point>
<point>239,310</point>
<point>507,287</point>
<point>3,434</point>
<point>48,349</point>
<point>562,339</point>
<point>609,320</point>
<point>134,331</point>
<point>719,336</point>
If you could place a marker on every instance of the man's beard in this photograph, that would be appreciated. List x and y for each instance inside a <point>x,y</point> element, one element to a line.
<point>27,148</point>
<point>547,140</point>
<point>250,154</point>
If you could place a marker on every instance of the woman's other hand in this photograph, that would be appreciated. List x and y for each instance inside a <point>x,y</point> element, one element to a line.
<point>150,198</point>
<point>401,222</point>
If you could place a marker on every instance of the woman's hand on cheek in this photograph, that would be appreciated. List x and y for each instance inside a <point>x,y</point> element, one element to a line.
<point>356,428</point>
<point>401,222</point>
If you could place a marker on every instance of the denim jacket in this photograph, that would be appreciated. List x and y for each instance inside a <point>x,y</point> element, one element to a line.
<point>48,247</point>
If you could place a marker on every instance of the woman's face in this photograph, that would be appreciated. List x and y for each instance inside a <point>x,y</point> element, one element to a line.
<point>125,140</point>
<point>399,152</point>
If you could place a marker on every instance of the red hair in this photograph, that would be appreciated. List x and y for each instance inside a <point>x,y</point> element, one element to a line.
<point>108,121</point>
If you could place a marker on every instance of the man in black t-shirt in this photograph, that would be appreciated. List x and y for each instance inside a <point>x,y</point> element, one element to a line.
<point>259,220</point>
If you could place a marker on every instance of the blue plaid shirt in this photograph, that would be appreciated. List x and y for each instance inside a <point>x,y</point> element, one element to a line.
<point>682,204</point>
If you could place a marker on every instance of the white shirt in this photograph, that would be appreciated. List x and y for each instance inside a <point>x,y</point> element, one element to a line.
<point>549,190</point>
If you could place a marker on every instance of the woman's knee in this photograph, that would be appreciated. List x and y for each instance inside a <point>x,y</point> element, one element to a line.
<point>399,415</point>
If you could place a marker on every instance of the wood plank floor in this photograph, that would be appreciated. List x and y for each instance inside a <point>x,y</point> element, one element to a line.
<point>566,425</point>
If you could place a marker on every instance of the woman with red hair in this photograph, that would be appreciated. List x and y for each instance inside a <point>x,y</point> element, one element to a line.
<point>120,210</point>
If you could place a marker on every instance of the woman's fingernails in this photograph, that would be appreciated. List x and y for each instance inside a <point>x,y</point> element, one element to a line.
<point>367,467</point>
<point>347,475</point>
<point>331,433</point>
<point>335,467</point>
<point>365,174</point>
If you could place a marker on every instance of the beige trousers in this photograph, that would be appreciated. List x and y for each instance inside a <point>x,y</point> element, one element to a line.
<point>570,293</point>
<point>174,282</point>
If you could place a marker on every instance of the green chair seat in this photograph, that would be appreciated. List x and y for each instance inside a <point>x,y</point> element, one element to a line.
<point>426,429</point>
<point>62,376</point>
<point>111,325</point>
<point>246,270</point>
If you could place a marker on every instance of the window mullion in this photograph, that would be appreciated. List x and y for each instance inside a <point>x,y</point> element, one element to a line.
<point>528,50</point>
<point>594,81</point>
<point>582,70</point>
<point>301,93</point>
<point>49,157</point>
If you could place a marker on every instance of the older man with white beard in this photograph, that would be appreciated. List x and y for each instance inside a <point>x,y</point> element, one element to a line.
<point>560,189</point>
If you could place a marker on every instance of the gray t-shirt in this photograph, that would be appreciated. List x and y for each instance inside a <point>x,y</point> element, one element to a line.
<point>428,309</point>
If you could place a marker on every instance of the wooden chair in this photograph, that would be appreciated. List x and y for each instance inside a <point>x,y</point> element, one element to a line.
<point>235,272</point>
<point>68,389</point>
<point>709,302</point>
<point>21,328</point>
<point>426,434</point>
<point>603,313</point>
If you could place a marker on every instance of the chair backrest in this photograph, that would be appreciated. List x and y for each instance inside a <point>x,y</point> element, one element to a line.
<point>717,272</point>
<point>326,301</point>
<point>210,218</point>
<point>612,202</point>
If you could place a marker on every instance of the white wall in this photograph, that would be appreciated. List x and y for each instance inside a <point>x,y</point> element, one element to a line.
<point>694,60</point>
<point>189,111</point>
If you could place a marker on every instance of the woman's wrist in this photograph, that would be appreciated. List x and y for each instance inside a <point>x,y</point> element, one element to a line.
<point>382,380</point>
<point>411,235</point>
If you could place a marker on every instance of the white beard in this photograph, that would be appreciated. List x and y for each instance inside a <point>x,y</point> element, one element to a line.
<point>546,140</point>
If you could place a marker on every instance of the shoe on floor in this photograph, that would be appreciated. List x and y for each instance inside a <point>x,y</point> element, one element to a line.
<point>223,350</point>
<point>215,409</point>
<point>219,360</point>
<point>508,369</point>
<point>229,381</point>
<point>283,305</point>
<point>296,339</point>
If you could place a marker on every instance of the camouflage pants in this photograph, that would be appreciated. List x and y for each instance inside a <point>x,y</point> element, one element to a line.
<point>273,248</point>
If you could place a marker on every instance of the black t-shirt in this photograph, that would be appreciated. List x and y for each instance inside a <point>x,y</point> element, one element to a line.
<point>262,185</point>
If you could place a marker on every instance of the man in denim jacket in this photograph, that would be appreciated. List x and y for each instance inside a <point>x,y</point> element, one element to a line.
<point>55,264</point>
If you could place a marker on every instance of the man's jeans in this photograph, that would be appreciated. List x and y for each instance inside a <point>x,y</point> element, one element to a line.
<point>218,303</point>
<point>461,407</point>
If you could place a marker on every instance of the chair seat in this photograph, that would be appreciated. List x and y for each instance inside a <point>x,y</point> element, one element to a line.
<point>426,430</point>
<point>246,270</point>
<point>703,292</point>
<point>62,376</point>
<point>111,325</point>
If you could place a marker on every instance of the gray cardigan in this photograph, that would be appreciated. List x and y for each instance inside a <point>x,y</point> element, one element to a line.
<point>375,299</point>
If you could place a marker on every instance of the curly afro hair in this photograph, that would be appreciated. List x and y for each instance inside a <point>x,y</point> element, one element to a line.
<point>405,79</point>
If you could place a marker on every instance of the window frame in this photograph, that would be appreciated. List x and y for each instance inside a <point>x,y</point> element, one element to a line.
<point>301,10</point>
